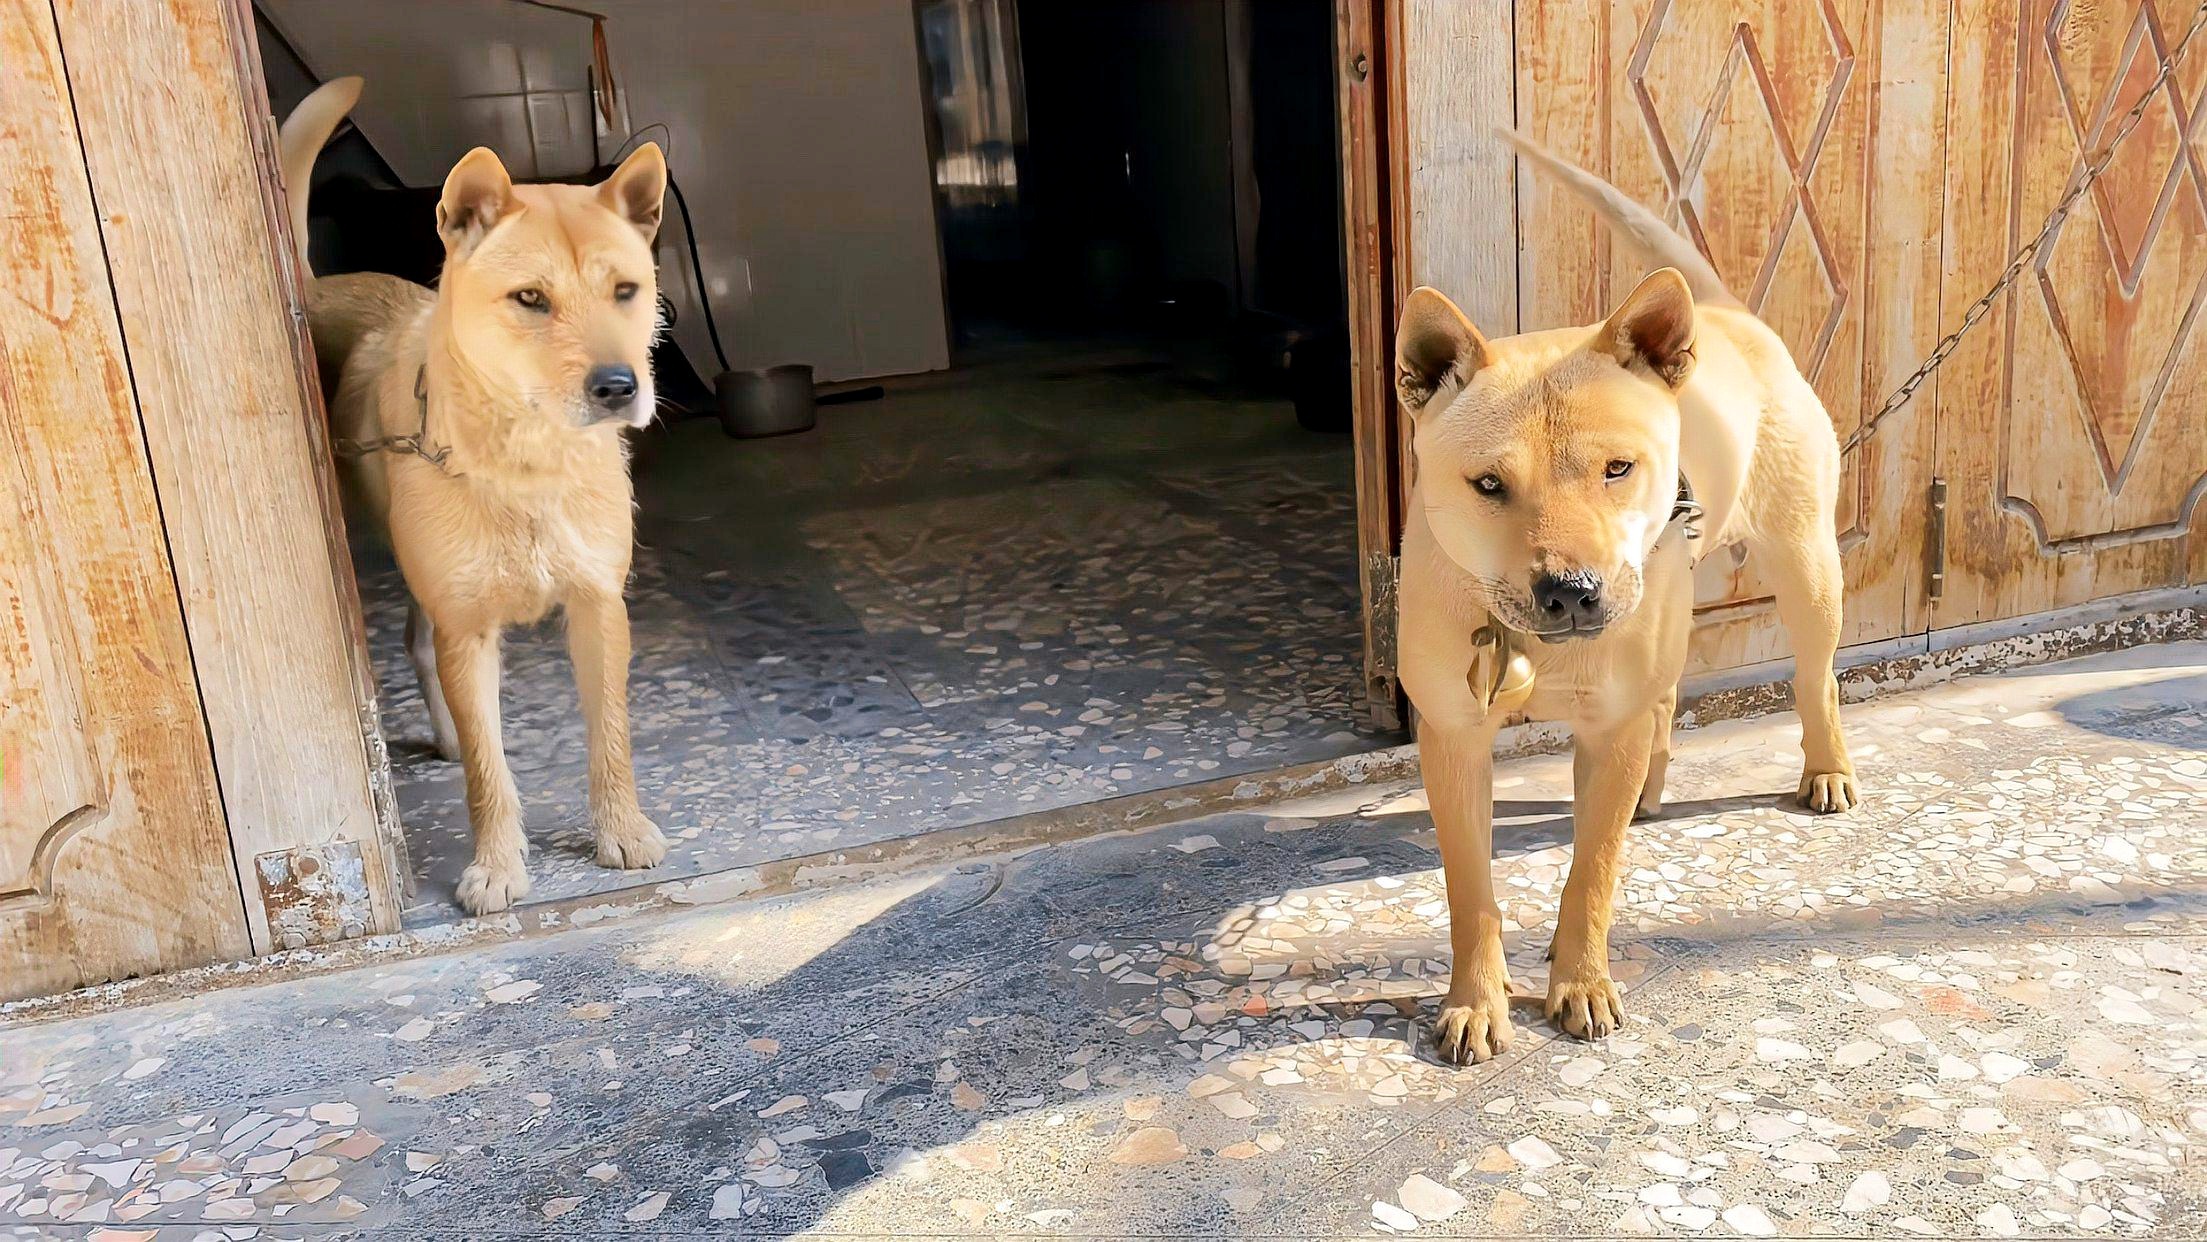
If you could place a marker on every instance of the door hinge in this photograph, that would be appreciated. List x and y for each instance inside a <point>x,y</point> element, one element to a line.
<point>1382,687</point>
<point>1382,573</point>
<point>1935,584</point>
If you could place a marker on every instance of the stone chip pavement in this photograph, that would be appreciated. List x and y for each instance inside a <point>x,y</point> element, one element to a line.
<point>1976,1007</point>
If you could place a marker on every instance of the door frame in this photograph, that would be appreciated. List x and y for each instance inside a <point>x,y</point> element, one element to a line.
<point>1368,75</point>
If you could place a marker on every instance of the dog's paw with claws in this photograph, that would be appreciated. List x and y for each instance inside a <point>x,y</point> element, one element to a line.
<point>1588,1008</point>
<point>493,884</point>
<point>1829,793</point>
<point>1468,1032</point>
<point>630,842</point>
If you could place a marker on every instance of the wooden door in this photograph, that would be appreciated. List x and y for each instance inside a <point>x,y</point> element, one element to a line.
<point>1798,143</point>
<point>2073,421</point>
<point>191,768</point>
<point>113,855</point>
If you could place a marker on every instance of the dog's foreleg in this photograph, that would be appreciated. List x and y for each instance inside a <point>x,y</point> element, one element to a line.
<point>1608,771</point>
<point>598,639</point>
<point>1659,756</point>
<point>421,648</point>
<point>1808,581</point>
<point>1474,1022</point>
<point>467,665</point>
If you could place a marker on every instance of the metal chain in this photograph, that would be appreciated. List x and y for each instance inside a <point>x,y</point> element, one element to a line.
<point>416,443</point>
<point>1982,306</point>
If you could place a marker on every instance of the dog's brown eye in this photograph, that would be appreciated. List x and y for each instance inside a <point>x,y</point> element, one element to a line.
<point>1488,485</point>
<point>533,299</point>
<point>624,291</point>
<point>1617,469</point>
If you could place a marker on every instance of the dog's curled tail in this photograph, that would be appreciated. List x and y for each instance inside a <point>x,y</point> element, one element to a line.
<point>1644,228</point>
<point>301,139</point>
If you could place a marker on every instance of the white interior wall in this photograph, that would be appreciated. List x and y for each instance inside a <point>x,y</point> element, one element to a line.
<point>511,77</point>
<point>797,131</point>
<point>794,128</point>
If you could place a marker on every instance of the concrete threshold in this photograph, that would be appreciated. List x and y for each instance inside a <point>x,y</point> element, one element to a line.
<point>1866,671</point>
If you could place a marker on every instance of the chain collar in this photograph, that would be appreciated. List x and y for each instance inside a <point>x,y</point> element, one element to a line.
<point>416,443</point>
<point>1686,511</point>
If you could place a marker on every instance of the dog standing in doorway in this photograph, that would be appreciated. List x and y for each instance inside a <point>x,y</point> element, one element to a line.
<point>1566,481</point>
<point>483,422</point>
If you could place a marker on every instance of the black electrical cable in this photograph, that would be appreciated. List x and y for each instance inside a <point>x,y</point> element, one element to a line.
<point>697,269</point>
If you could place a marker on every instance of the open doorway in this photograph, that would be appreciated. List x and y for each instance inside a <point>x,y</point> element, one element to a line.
<point>1091,530</point>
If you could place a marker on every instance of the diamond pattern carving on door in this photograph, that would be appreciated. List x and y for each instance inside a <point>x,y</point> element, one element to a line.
<point>1765,130</point>
<point>2144,223</point>
<point>1685,157</point>
<point>2072,430</point>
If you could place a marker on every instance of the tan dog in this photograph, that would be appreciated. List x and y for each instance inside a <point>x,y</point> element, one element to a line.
<point>485,421</point>
<point>1543,571</point>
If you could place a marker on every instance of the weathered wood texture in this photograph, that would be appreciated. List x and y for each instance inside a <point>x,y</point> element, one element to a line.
<point>113,858</point>
<point>1800,146</point>
<point>1455,212</point>
<point>2071,422</point>
<point>173,123</point>
<point>1363,83</point>
<point>1458,87</point>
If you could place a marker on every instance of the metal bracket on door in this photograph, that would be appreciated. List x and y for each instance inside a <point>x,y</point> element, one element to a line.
<point>1381,686</point>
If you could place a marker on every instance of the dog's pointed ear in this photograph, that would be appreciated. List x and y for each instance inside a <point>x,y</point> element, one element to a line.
<point>635,190</point>
<point>1434,344</point>
<point>1654,328</point>
<point>477,195</point>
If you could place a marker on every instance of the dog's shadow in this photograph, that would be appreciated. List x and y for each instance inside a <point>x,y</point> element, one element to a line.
<point>1538,823</point>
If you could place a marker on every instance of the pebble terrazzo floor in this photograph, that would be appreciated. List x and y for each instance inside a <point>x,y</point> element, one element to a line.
<point>1976,1007</point>
<point>1036,583</point>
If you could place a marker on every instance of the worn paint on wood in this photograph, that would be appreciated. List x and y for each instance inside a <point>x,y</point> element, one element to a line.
<point>233,430</point>
<point>1457,89</point>
<point>113,858</point>
<point>2070,421</point>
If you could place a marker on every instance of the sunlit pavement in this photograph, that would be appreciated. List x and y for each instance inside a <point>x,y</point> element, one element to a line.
<point>1977,1006</point>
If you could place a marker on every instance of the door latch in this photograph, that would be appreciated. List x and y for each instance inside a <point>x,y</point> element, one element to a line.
<point>1935,585</point>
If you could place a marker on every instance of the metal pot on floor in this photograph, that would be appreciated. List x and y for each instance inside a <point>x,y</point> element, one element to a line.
<point>772,401</point>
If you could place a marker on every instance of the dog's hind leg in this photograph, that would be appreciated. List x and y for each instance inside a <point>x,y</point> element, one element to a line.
<point>421,649</point>
<point>598,639</point>
<point>467,664</point>
<point>1808,582</point>
<point>1659,757</point>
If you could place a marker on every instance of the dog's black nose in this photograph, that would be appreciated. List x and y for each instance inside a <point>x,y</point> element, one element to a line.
<point>611,387</point>
<point>1569,601</point>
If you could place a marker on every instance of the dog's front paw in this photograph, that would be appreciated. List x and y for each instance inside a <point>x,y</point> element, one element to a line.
<point>493,884</point>
<point>1589,1008</point>
<point>1828,793</point>
<point>1474,1029</point>
<point>630,842</point>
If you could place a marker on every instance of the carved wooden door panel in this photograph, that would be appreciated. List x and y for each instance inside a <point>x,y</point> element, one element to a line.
<point>1798,143</point>
<point>2073,421</point>
<point>114,860</point>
